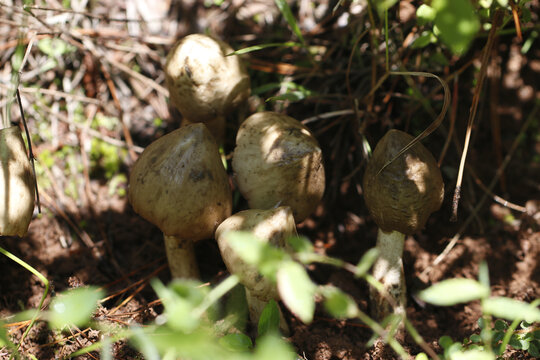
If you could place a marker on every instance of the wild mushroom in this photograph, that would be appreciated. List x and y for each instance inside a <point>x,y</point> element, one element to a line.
<point>277,161</point>
<point>273,226</point>
<point>180,185</point>
<point>400,199</point>
<point>204,83</point>
<point>17,184</point>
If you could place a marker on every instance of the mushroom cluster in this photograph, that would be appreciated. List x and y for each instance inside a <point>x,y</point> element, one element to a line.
<point>179,182</point>
<point>400,198</point>
<point>17,184</point>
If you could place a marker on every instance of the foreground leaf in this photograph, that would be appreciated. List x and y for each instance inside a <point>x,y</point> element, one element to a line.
<point>296,290</point>
<point>454,291</point>
<point>511,309</point>
<point>74,307</point>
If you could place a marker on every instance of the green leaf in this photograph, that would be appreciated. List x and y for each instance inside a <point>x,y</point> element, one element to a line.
<point>180,299</point>
<point>339,304</point>
<point>236,342</point>
<point>263,46</point>
<point>425,14</point>
<point>445,341</point>
<point>423,40</point>
<point>483,274</point>
<point>269,319</point>
<point>510,309</point>
<point>534,350</point>
<point>296,290</point>
<point>300,244</point>
<point>472,355</point>
<point>500,325</point>
<point>54,47</point>
<point>421,356</point>
<point>365,263</point>
<point>271,347</point>
<point>144,344</point>
<point>74,307</point>
<point>285,10</point>
<point>383,5</point>
<point>454,291</point>
<point>457,22</point>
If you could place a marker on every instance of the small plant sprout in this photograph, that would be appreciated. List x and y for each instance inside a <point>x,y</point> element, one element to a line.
<point>179,184</point>
<point>400,199</point>
<point>17,184</point>
<point>205,84</point>
<point>272,226</point>
<point>277,161</point>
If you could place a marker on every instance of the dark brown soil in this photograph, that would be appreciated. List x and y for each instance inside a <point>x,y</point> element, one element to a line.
<point>91,236</point>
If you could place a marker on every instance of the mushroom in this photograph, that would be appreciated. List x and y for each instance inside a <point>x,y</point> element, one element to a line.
<point>17,184</point>
<point>180,185</point>
<point>273,226</point>
<point>277,161</point>
<point>400,199</point>
<point>204,83</point>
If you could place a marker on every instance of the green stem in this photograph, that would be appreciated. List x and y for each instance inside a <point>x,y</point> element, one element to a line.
<point>40,277</point>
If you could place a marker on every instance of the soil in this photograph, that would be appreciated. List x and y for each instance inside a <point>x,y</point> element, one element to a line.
<point>92,236</point>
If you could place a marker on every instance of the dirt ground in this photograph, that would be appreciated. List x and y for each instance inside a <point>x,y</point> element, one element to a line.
<point>91,236</point>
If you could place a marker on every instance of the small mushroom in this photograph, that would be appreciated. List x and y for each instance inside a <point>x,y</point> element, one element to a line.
<point>277,161</point>
<point>205,84</point>
<point>400,199</point>
<point>180,185</point>
<point>17,184</point>
<point>273,226</point>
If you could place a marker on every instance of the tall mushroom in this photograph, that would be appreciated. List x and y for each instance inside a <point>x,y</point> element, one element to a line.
<point>400,199</point>
<point>17,184</point>
<point>180,185</point>
<point>277,161</point>
<point>273,226</point>
<point>204,83</point>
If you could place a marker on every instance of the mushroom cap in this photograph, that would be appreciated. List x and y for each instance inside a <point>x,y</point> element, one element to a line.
<point>203,82</point>
<point>273,226</point>
<point>407,191</point>
<point>277,161</point>
<point>17,184</point>
<point>180,185</point>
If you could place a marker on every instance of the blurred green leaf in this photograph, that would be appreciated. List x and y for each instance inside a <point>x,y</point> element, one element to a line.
<point>457,22</point>
<point>272,347</point>
<point>425,14</point>
<point>269,319</point>
<point>236,342</point>
<point>142,342</point>
<point>54,47</point>
<point>423,40</point>
<point>300,244</point>
<point>366,262</point>
<point>17,57</point>
<point>472,355</point>
<point>511,309</point>
<point>454,291</point>
<point>74,307</point>
<point>180,299</point>
<point>383,5</point>
<point>296,290</point>
<point>339,304</point>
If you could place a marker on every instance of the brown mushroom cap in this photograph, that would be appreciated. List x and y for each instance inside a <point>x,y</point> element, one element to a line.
<point>180,185</point>
<point>407,191</point>
<point>17,184</point>
<point>278,161</point>
<point>274,226</point>
<point>203,82</point>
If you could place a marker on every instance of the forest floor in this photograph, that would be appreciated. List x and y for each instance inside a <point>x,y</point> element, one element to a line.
<point>92,106</point>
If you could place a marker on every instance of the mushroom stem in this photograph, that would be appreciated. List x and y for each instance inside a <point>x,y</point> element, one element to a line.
<point>181,257</point>
<point>256,307</point>
<point>388,269</point>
